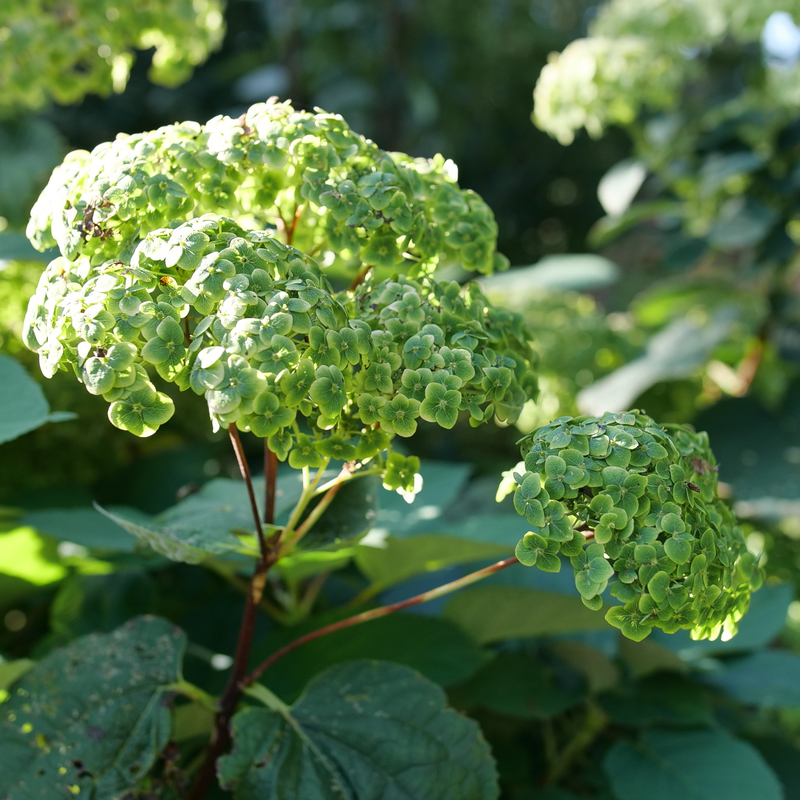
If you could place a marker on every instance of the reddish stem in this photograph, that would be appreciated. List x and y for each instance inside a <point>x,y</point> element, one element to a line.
<point>358,280</point>
<point>376,613</point>
<point>245,470</point>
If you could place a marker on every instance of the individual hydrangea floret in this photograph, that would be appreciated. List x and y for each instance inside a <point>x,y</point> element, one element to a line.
<point>635,508</point>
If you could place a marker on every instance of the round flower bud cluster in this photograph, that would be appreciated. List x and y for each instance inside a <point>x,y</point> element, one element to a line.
<point>68,50</point>
<point>623,498</point>
<point>326,189</point>
<point>252,325</point>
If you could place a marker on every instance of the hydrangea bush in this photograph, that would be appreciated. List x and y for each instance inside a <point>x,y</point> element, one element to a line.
<point>200,258</point>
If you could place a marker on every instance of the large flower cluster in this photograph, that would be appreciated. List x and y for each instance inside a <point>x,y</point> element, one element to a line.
<point>328,190</point>
<point>646,499</point>
<point>68,50</point>
<point>252,325</point>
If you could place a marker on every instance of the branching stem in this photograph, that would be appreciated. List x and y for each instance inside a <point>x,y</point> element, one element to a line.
<point>377,613</point>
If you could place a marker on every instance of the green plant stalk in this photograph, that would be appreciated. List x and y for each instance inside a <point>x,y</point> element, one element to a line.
<point>221,737</point>
<point>305,499</point>
<point>193,692</point>
<point>377,613</point>
<point>594,722</point>
<point>312,518</point>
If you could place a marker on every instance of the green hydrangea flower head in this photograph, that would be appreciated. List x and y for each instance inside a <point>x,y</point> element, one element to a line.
<point>326,189</point>
<point>253,326</point>
<point>634,506</point>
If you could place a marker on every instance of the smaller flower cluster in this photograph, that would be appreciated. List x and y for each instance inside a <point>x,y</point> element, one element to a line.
<point>326,188</point>
<point>646,499</point>
<point>253,326</point>
<point>68,50</point>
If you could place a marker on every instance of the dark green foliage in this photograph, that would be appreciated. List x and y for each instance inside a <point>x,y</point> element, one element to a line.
<point>363,729</point>
<point>91,717</point>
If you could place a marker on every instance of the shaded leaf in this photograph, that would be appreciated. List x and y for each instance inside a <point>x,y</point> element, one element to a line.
<point>84,526</point>
<point>695,765</point>
<point>364,729</point>
<point>91,717</point>
<point>497,613</point>
<point>439,650</point>
<point>521,686</point>
<point>769,679</point>
<point>350,515</point>
<point>22,403</point>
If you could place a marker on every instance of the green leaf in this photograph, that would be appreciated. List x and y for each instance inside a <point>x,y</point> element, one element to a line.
<point>442,482</point>
<point>439,650</point>
<point>677,351</point>
<point>498,613</point>
<point>519,686</point>
<point>91,716</point>
<point>362,729</point>
<point>16,247</point>
<point>84,526</point>
<point>701,765</point>
<point>22,403</point>
<point>387,561</point>
<point>768,679</point>
<point>191,537</point>
<point>573,272</point>
<point>665,697</point>
<point>351,514</point>
<point>11,671</point>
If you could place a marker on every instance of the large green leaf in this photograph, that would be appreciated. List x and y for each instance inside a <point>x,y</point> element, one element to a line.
<point>769,678</point>
<point>665,697</point>
<point>363,730</point>
<point>91,718</point>
<point>190,540</point>
<point>442,482</point>
<point>350,515</point>
<point>758,452</point>
<point>439,650</point>
<point>497,613</point>
<point>84,526</point>
<point>691,765</point>
<point>22,403</point>
<point>388,561</point>
<point>398,559</point>
<point>521,686</point>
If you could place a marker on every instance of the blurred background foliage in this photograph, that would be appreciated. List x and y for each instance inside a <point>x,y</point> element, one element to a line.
<point>652,221</point>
